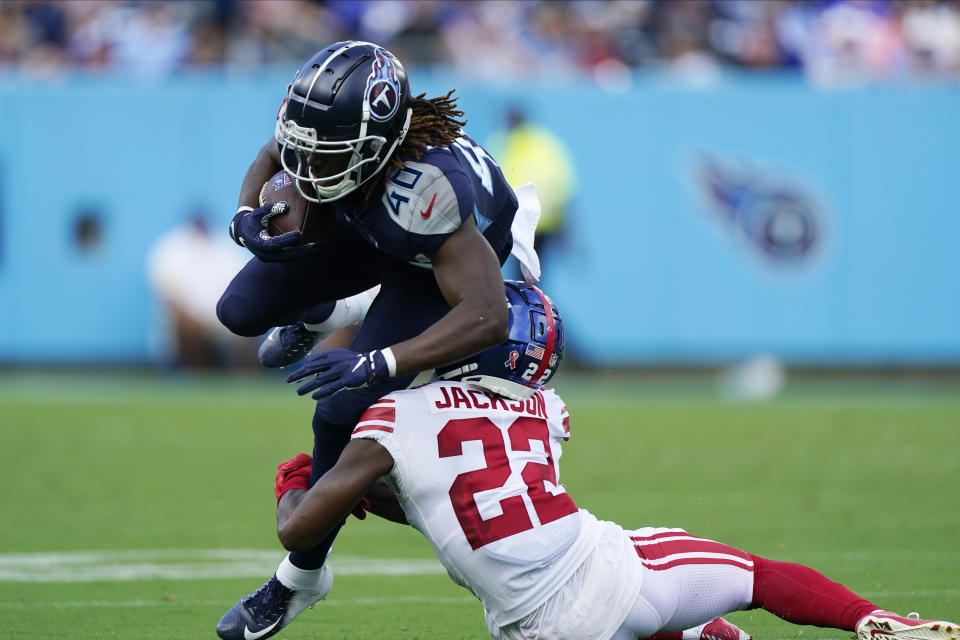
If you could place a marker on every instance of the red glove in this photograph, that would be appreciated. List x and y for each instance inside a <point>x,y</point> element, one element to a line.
<point>293,474</point>
<point>361,509</point>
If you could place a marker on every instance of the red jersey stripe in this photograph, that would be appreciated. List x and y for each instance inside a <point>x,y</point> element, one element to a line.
<point>372,427</point>
<point>386,414</point>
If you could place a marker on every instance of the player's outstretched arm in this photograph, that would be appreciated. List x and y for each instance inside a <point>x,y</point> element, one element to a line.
<point>304,518</point>
<point>468,273</point>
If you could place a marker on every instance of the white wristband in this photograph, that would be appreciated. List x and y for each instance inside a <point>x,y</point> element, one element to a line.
<point>244,208</point>
<point>391,361</point>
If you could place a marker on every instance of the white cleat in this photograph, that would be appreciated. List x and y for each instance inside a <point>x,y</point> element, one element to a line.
<point>886,625</point>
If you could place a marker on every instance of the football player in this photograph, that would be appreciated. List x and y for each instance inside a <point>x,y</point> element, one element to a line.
<point>473,461</point>
<point>414,205</point>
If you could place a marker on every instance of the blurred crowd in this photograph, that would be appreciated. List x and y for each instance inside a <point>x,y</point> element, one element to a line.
<point>831,41</point>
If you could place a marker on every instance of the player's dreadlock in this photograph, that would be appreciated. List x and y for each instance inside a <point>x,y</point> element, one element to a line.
<point>435,122</point>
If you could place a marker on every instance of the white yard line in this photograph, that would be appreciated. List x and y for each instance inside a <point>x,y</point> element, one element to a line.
<point>184,564</point>
<point>124,604</point>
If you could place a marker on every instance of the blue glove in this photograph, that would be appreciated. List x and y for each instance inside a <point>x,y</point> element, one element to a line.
<point>249,229</point>
<point>340,369</point>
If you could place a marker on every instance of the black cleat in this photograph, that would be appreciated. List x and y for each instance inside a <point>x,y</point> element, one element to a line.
<point>270,608</point>
<point>286,345</point>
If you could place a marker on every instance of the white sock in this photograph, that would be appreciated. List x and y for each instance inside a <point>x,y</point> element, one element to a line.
<point>347,312</point>
<point>293,577</point>
<point>694,633</point>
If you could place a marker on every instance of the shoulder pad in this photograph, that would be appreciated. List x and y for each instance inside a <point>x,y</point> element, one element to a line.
<point>424,199</point>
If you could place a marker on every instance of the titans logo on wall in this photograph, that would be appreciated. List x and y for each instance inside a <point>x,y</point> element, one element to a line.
<point>774,214</point>
<point>383,89</point>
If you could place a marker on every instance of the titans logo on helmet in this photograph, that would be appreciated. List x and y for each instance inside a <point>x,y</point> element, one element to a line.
<point>383,89</point>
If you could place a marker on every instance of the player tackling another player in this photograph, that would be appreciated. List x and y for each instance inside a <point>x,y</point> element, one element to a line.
<point>473,460</point>
<point>413,205</point>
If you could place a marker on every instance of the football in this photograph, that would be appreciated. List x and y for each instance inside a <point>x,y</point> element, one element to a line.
<point>312,220</point>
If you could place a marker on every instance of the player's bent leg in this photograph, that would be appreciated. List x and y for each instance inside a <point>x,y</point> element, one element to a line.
<point>264,295</point>
<point>276,604</point>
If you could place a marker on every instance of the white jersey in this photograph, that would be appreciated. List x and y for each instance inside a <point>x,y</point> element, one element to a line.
<point>477,475</point>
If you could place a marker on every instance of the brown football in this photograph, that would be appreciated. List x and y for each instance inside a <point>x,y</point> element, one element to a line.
<point>314,221</point>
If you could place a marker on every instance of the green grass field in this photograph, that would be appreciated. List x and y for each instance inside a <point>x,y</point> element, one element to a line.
<point>134,506</point>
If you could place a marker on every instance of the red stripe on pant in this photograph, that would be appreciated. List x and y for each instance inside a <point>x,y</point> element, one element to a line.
<point>658,550</point>
<point>665,534</point>
<point>700,561</point>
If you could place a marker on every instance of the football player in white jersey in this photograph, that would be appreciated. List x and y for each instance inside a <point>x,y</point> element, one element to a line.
<point>473,460</point>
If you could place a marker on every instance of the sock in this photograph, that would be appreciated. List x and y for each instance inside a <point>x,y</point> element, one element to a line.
<point>314,558</point>
<point>694,633</point>
<point>687,634</point>
<point>327,318</point>
<point>318,314</point>
<point>295,578</point>
<point>800,595</point>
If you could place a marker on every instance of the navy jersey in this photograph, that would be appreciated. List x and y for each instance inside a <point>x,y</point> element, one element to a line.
<point>427,200</point>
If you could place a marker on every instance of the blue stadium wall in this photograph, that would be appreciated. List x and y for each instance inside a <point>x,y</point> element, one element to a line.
<point>759,215</point>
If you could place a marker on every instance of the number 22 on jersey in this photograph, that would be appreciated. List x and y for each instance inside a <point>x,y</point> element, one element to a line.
<point>515,517</point>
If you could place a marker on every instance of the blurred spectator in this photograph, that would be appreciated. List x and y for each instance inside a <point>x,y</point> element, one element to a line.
<point>188,268</point>
<point>931,32</point>
<point>834,42</point>
<point>529,152</point>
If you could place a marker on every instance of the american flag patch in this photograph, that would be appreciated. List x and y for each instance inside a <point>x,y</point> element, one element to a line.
<point>536,352</point>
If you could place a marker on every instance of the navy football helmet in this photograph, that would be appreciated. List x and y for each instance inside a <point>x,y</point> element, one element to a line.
<point>529,356</point>
<point>345,113</point>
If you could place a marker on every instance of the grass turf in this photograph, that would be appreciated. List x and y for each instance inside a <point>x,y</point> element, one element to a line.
<point>859,482</point>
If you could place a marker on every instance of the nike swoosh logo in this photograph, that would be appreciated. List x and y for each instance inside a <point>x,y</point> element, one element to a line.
<point>249,635</point>
<point>426,214</point>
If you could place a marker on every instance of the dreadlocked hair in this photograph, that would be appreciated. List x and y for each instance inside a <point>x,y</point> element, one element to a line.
<point>435,122</point>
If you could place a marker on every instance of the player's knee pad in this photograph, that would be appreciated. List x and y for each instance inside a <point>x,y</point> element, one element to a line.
<point>238,315</point>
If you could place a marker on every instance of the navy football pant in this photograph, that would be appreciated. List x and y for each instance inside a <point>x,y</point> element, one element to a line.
<point>265,295</point>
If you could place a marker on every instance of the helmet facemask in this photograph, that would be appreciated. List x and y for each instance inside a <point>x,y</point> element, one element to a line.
<point>368,154</point>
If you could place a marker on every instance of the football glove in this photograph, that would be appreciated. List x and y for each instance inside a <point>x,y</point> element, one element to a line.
<point>339,369</point>
<point>360,511</point>
<point>293,474</point>
<point>249,229</point>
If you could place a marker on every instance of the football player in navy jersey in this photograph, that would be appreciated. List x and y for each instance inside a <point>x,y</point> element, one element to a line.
<point>413,205</point>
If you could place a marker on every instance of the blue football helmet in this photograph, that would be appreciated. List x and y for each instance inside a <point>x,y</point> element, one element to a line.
<point>345,113</point>
<point>529,356</point>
